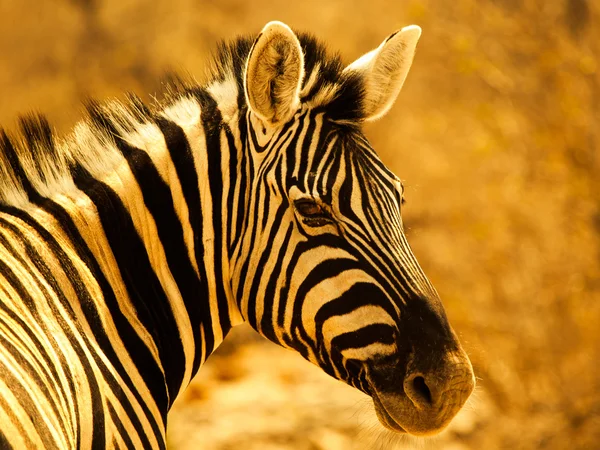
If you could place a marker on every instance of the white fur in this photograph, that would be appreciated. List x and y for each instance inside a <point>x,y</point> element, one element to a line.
<point>11,192</point>
<point>225,94</point>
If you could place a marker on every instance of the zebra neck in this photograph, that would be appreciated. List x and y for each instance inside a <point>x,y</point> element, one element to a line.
<point>159,230</point>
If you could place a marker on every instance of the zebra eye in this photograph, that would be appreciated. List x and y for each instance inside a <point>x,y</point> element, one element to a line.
<point>309,209</point>
<point>313,214</point>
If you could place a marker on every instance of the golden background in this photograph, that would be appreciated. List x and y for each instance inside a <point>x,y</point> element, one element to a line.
<point>496,134</point>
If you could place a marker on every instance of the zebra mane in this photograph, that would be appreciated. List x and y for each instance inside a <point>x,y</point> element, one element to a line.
<point>35,163</point>
<point>325,86</point>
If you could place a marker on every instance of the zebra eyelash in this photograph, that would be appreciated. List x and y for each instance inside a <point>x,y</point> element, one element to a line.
<point>312,213</point>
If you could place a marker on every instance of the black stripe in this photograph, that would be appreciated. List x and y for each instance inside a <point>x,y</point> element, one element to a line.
<point>245,171</point>
<point>4,444</point>
<point>133,344</point>
<point>258,275</point>
<point>16,385</point>
<point>157,198</point>
<point>213,123</point>
<point>19,389</point>
<point>8,409</point>
<point>371,334</point>
<point>16,167</point>
<point>336,154</point>
<point>254,139</point>
<point>98,417</point>
<point>197,304</point>
<point>251,227</point>
<point>120,428</point>
<point>140,284</point>
<point>38,262</point>
<point>266,324</point>
<point>305,152</point>
<point>236,178</point>
<point>345,194</point>
<point>359,295</point>
<point>328,268</point>
<point>322,271</point>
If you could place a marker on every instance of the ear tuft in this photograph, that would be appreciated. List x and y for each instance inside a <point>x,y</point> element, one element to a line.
<point>384,70</point>
<point>274,74</point>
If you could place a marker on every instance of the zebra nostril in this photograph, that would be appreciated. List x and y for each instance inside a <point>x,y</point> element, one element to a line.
<point>418,391</point>
<point>421,389</point>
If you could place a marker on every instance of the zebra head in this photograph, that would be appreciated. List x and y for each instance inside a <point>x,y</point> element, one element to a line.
<point>322,265</point>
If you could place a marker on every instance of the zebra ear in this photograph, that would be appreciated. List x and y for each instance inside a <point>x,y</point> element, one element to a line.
<point>384,70</point>
<point>274,73</point>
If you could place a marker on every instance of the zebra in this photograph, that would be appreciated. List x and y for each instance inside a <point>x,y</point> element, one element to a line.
<point>131,247</point>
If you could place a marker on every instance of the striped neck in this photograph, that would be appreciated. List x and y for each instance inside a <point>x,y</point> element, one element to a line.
<point>165,211</point>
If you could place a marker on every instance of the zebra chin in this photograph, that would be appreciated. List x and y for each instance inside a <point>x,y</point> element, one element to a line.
<point>417,401</point>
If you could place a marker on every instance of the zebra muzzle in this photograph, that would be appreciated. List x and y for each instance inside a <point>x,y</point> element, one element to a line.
<point>418,400</point>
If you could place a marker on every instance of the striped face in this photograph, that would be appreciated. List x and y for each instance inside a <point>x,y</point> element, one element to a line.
<point>331,273</point>
<point>323,265</point>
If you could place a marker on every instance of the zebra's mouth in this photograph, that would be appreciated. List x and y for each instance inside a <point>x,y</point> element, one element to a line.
<point>384,417</point>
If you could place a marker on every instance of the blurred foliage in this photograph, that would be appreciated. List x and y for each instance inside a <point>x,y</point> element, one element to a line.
<point>496,135</point>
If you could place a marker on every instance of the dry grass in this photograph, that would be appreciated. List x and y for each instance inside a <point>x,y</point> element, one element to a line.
<point>497,136</point>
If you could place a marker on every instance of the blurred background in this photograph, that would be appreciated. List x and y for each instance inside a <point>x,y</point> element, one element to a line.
<point>496,135</point>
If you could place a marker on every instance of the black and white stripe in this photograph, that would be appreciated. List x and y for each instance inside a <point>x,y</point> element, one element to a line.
<point>129,249</point>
